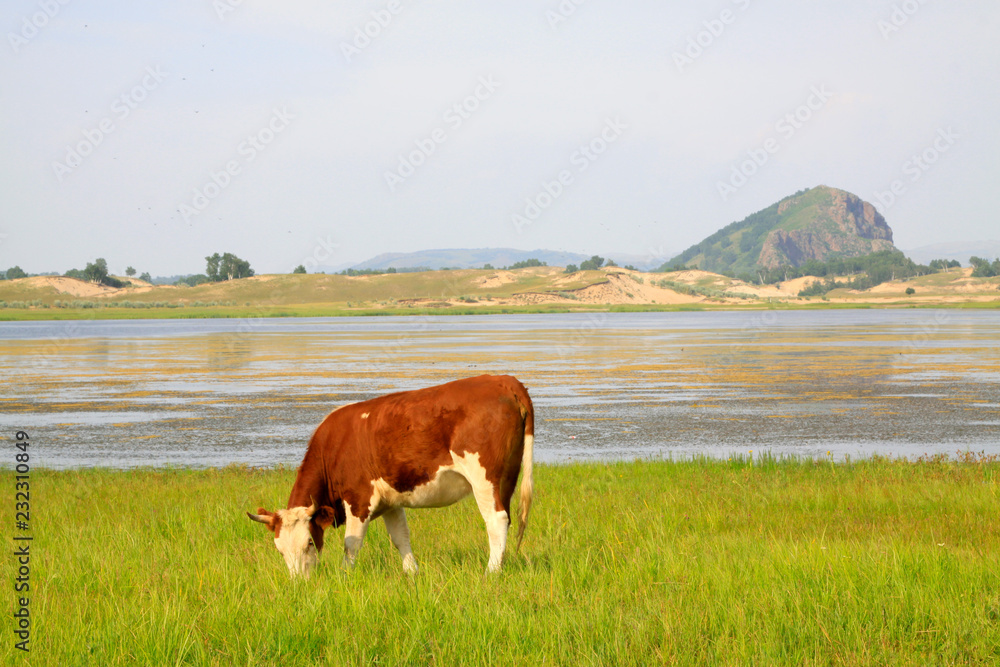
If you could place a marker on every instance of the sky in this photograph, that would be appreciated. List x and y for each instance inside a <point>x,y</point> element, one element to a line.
<point>153,134</point>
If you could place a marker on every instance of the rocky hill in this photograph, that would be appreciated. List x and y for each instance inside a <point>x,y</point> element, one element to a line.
<point>821,223</point>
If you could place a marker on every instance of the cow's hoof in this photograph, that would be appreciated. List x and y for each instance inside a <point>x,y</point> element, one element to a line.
<point>410,564</point>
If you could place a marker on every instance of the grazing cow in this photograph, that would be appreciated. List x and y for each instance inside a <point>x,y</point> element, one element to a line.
<point>424,448</point>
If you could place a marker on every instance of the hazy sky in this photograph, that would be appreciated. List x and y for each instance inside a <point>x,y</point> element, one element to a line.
<point>155,133</point>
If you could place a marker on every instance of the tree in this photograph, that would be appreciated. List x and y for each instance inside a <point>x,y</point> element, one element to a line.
<point>488,267</point>
<point>193,280</point>
<point>299,269</point>
<point>212,268</point>
<point>981,268</point>
<point>611,262</point>
<point>145,276</point>
<point>226,267</point>
<point>910,290</point>
<point>130,272</point>
<point>15,272</point>
<point>96,271</point>
<point>572,268</point>
<point>592,264</point>
<point>944,264</point>
<point>527,263</point>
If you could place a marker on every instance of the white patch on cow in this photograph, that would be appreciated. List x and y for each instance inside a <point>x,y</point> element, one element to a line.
<point>294,541</point>
<point>364,415</point>
<point>450,484</point>
<point>497,521</point>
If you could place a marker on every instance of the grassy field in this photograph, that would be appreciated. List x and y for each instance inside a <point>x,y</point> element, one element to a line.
<point>701,562</point>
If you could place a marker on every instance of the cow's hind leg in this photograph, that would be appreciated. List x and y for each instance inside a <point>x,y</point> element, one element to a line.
<point>354,536</point>
<point>497,522</point>
<point>399,533</point>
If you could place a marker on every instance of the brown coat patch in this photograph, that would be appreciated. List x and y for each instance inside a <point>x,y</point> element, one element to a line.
<point>408,436</point>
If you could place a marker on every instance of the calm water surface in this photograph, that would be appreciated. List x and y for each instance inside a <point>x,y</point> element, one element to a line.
<point>605,386</point>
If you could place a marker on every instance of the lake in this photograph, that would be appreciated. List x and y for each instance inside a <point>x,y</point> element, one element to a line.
<point>606,385</point>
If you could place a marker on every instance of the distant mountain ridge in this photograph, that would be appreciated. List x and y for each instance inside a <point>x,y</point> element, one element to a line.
<point>957,250</point>
<point>820,223</point>
<point>474,258</point>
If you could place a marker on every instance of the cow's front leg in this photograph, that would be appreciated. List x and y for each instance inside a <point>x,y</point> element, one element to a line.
<point>354,536</point>
<point>399,533</point>
<point>497,523</point>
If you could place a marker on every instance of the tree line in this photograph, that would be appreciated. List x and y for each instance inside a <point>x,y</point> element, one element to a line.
<point>866,271</point>
<point>218,268</point>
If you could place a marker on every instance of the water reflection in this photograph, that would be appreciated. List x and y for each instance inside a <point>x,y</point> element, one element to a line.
<point>605,386</point>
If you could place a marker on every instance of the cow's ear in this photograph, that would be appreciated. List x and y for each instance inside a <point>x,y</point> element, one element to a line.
<point>264,517</point>
<point>325,517</point>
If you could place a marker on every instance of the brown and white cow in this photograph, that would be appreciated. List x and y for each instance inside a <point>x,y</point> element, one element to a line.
<point>424,448</point>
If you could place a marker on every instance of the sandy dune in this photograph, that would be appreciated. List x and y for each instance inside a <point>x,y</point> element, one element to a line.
<point>496,280</point>
<point>613,286</point>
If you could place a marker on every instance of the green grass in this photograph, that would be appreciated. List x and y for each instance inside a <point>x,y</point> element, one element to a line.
<point>698,562</point>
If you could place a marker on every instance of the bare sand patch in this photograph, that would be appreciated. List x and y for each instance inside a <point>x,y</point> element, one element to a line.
<point>796,285</point>
<point>621,288</point>
<point>694,276</point>
<point>70,286</point>
<point>495,280</point>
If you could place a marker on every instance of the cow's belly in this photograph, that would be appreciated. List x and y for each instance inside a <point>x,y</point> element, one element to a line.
<point>447,487</point>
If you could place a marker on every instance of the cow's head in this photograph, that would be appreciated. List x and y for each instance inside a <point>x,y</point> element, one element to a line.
<point>298,534</point>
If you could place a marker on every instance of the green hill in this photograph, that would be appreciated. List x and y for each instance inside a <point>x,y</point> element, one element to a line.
<point>821,224</point>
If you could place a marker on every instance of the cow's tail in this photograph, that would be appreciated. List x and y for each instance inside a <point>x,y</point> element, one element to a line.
<point>527,481</point>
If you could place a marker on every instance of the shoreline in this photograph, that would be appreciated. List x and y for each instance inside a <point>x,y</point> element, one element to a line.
<point>307,311</point>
